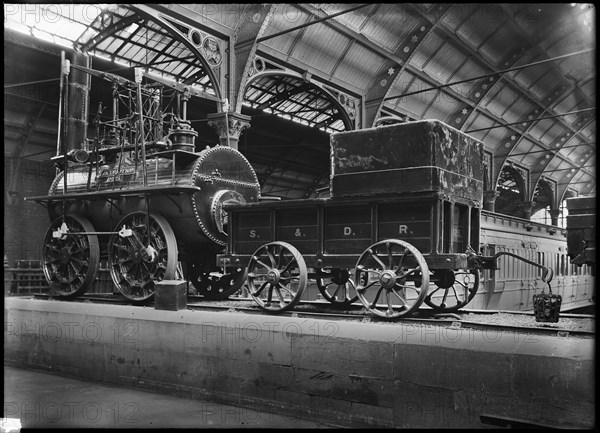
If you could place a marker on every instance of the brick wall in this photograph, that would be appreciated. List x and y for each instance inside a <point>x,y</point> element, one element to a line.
<point>25,222</point>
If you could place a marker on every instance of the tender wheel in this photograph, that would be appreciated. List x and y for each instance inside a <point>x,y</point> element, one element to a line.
<point>218,285</point>
<point>396,269</point>
<point>454,289</point>
<point>138,260</point>
<point>336,286</point>
<point>71,261</point>
<point>277,276</point>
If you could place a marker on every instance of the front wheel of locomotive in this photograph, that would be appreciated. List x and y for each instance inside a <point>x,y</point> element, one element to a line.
<point>454,289</point>
<point>70,260</point>
<point>137,258</point>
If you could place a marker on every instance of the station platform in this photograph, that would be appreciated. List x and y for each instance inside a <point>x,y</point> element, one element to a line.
<point>40,400</point>
<point>328,372</point>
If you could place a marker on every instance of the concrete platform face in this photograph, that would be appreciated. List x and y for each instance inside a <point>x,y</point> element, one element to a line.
<point>344,373</point>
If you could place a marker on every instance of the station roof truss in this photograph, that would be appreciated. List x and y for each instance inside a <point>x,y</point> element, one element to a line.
<point>519,77</point>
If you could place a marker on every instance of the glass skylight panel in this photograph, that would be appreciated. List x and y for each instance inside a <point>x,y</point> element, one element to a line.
<point>58,23</point>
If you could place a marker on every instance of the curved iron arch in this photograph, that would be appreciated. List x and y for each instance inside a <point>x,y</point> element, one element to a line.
<point>508,198</point>
<point>332,98</point>
<point>160,19</point>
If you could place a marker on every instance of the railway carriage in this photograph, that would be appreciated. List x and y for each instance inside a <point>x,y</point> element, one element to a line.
<point>512,286</point>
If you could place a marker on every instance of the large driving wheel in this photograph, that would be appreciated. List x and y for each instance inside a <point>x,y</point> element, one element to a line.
<point>396,270</point>
<point>140,258</point>
<point>454,289</point>
<point>336,286</point>
<point>70,260</point>
<point>277,276</point>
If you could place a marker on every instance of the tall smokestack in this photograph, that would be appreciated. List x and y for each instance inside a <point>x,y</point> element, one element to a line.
<point>78,91</point>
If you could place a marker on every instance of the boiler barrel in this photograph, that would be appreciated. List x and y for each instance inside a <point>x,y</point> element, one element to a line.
<point>214,176</point>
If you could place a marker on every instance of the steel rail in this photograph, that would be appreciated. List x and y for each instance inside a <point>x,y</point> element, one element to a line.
<point>429,317</point>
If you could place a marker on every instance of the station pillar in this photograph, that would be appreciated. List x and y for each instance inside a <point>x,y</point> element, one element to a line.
<point>554,213</point>
<point>489,200</point>
<point>229,126</point>
<point>526,209</point>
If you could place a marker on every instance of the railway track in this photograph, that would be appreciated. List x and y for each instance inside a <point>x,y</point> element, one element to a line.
<point>316,310</point>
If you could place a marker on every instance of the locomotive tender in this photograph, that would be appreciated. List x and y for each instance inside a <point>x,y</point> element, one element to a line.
<point>404,213</point>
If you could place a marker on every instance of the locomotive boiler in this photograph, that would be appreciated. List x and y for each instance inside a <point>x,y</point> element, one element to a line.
<point>141,197</point>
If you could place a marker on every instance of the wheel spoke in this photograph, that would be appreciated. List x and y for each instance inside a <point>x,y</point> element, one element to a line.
<point>411,272</point>
<point>377,259</point>
<point>270,293</point>
<point>287,267</point>
<point>401,260</point>
<point>430,294</point>
<point>261,263</point>
<point>260,289</point>
<point>399,296</point>
<point>279,295</point>
<point>367,286</point>
<point>455,295</point>
<point>390,255</point>
<point>289,291</point>
<point>377,297</point>
<point>361,268</point>
<point>271,258</point>
<point>409,286</point>
<point>445,296</point>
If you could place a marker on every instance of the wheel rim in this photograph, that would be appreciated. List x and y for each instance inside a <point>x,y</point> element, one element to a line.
<point>396,270</point>
<point>138,261</point>
<point>277,276</point>
<point>451,296</point>
<point>336,286</point>
<point>229,283</point>
<point>71,262</point>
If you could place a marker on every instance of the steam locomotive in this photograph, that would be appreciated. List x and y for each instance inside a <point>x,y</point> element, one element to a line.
<point>139,195</point>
